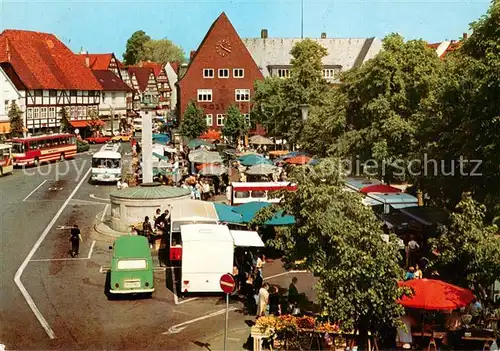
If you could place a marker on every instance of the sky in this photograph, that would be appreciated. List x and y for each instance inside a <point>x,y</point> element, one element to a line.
<point>104,26</point>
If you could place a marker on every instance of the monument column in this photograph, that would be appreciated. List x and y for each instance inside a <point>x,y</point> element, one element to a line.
<point>147,146</point>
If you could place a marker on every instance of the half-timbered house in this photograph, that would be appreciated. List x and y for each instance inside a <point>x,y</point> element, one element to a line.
<point>50,77</point>
<point>164,87</point>
<point>8,95</point>
<point>144,83</point>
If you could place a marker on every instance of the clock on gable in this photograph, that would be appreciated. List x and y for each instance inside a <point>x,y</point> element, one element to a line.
<point>223,47</point>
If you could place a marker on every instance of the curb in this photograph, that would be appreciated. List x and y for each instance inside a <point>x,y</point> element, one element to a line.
<point>103,229</point>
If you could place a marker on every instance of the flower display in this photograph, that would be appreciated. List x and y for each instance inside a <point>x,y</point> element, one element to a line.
<point>281,325</point>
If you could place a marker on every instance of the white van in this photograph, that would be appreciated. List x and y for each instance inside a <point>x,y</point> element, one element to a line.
<point>208,254</point>
<point>107,164</point>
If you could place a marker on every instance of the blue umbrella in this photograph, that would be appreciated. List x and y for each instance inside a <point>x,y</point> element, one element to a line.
<point>250,209</point>
<point>227,214</point>
<point>252,160</point>
<point>314,162</point>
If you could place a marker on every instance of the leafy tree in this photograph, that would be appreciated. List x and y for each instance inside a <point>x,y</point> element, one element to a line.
<point>16,120</point>
<point>94,122</point>
<point>391,101</point>
<point>338,239</point>
<point>235,125</point>
<point>277,101</point>
<point>64,122</point>
<point>194,122</point>
<point>135,47</point>
<point>469,126</point>
<point>469,247</point>
<point>162,51</point>
<point>325,124</point>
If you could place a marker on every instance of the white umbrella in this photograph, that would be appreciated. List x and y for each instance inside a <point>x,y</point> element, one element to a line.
<point>260,140</point>
<point>213,170</point>
<point>261,169</point>
<point>204,156</point>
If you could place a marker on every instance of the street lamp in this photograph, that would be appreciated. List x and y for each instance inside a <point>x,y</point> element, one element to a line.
<point>304,108</point>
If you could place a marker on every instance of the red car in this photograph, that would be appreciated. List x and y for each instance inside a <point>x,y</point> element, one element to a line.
<point>98,140</point>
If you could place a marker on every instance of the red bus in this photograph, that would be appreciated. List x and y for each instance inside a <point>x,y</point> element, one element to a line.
<point>43,148</point>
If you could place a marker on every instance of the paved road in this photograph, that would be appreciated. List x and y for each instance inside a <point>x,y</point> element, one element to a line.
<point>29,199</point>
<point>70,293</point>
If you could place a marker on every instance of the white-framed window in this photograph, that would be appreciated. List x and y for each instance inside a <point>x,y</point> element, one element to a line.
<point>247,118</point>
<point>238,73</point>
<point>220,119</point>
<point>205,95</point>
<point>43,112</point>
<point>210,119</point>
<point>80,111</point>
<point>29,113</point>
<point>223,73</point>
<point>52,112</point>
<point>283,73</point>
<point>36,113</point>
<point>329,73</point>
<point>113,97</point>
<point>6,102</point>
<point>208,73</point>
<point>242,94</point>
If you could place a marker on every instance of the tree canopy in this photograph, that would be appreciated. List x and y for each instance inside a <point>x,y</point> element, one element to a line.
<point>135,47</point>
<point>140,47</point>
<point>469,246</point>
<point>64,122</point>
<point>193,122</point>
<point>339,241</point>
<point>277,101</point>
<point>16,120</point>
<point>235,125</point>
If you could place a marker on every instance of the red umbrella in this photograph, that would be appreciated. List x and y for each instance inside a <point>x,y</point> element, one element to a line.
<point>298,160</point>
<point>430,294</point>
<point>379,188</point>
<point>211,134</point>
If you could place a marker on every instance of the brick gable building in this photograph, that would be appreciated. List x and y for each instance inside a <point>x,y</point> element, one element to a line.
<point>221,72</point>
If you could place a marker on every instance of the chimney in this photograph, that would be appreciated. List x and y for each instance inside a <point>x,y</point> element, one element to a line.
<point>87,61</point>
<point>193,52</point>
<point>263,34</point>
<point>465,36</point>
<point>323,35</point>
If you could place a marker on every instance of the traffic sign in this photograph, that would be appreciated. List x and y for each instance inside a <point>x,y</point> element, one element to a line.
<point>227,283</point>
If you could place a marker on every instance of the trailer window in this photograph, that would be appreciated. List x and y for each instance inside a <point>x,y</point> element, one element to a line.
<point>258,194</point>
<point>132,264</point>
<point>241,194</point>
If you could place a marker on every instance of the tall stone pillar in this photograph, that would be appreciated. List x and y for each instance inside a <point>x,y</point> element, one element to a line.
<point>147,147</point>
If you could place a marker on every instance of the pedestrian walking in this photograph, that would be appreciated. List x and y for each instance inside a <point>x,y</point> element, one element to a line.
<point>75,239</point>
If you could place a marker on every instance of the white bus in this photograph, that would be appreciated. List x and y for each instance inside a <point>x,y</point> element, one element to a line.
<point>6,161</point>
<point>107,164</point>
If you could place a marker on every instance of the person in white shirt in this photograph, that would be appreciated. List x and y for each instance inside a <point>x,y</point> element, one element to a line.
<point>263,300</point>
<point>229,193</point>
<point>124,185</point>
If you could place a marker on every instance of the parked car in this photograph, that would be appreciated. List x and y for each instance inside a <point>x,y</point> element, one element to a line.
<point>131,267</point>
<point>99,140</point>
<point>121,137</point>
<point>82,146</point>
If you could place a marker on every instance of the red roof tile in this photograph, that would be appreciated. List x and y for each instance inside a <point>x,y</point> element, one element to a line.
<point>43,62</point>
<point>175,66</point>
<point>96,61</point>
<point>110,81</point>
<point>434,45</point>
<point>141,74</point>
<point>157,67</point>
